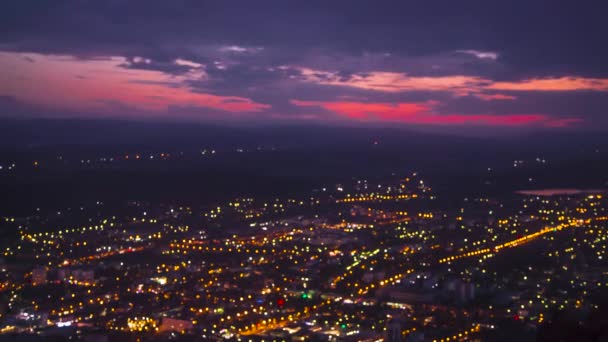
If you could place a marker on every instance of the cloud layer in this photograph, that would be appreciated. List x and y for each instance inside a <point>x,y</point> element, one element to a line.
<point>516,66</point>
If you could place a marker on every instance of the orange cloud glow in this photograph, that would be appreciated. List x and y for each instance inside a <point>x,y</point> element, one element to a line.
<point>396,82</point>
<point>458,85</point>
<point>490,97</point>
<point>554,84</point>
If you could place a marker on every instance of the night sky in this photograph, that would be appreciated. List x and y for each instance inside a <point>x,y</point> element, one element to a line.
<point>456,65</point>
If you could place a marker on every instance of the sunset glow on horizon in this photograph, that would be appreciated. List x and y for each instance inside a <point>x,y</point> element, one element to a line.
<point>332,72</point>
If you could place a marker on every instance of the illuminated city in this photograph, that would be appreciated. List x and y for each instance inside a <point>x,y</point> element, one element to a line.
<point>354,261</point>
<point>303,171</point>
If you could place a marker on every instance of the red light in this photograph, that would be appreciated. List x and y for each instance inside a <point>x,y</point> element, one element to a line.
<point>516,317</point>
<point>280,302</point>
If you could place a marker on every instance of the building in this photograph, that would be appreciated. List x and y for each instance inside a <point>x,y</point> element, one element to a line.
<point>393,330</point>
<point>39,275</point>
<point>78,275</point>
<point>174,325</point>
<point>466,292</point>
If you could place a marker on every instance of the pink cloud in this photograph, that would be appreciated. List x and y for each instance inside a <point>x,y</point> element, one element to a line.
<point>422,113</point>
<point>363,111</point>
<point>63,82</point>
<point>482,119</point>
<point>566,122</point>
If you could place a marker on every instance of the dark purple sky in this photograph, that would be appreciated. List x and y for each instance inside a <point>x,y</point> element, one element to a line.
<point>512,65</point>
